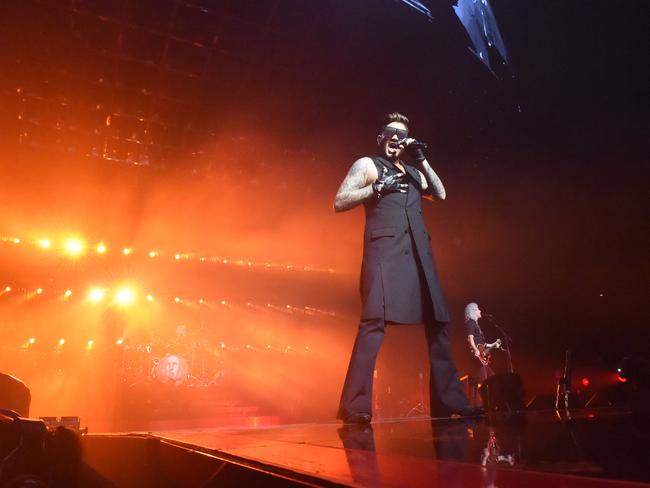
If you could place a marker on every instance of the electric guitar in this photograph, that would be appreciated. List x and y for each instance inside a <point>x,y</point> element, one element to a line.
<point>485,351</point>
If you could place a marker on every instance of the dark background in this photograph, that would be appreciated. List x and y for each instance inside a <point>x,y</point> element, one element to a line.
<point>225,127</point>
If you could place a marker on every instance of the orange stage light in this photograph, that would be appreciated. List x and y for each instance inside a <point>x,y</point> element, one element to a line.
<point>125,296</point>
<point>74,246</point>
<point>96,294</point>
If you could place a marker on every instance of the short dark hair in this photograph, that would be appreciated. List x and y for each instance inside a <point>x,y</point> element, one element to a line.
<point>395,117</point>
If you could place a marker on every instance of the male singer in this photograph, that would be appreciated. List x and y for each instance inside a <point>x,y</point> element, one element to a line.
<point>399,282</point>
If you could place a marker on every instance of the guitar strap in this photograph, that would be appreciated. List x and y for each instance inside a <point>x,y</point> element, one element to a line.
<point>482,334</point>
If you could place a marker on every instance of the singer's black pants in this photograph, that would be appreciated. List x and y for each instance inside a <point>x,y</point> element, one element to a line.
<point>446,392</point>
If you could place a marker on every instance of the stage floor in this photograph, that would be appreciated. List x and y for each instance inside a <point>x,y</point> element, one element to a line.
<point>607,447</point>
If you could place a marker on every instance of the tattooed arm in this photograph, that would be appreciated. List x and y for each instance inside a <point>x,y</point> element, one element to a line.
<point>433,184</point>
<point>357,185</point>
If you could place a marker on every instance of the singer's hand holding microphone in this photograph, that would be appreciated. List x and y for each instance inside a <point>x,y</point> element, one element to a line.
<point>414,148</point>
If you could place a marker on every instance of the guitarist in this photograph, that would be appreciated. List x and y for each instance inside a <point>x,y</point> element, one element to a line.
<point>476,339</point>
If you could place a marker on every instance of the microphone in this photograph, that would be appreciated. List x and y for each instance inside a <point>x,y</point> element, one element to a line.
<point>487,315</point>
<point>414,143</point>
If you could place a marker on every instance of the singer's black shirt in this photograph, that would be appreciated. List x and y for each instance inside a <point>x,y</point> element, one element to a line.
<point>474,329</point>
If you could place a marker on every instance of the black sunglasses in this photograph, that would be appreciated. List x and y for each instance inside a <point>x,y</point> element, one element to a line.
<point>389,131</point>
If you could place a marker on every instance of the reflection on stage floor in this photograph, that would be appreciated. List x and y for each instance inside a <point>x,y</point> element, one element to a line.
<point>583,448</point>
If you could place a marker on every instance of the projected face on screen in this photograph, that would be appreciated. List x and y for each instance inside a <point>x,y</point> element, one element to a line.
<point>173,368</point>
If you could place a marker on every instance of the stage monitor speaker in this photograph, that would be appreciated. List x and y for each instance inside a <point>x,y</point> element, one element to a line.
<point>503,393</point>
<point>14,395</point>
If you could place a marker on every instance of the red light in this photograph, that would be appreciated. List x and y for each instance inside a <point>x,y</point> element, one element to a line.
<point>585,382</point>
<point>621,379</point>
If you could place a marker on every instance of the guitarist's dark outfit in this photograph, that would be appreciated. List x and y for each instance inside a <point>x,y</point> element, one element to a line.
<point>400,285</point>
<point>480,371</point>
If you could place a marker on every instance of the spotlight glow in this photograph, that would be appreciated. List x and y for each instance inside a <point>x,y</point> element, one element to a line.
<point>61,342</point>
<point>101,248</point>
<point>153,254</point>
<point>150,298</point>
<point>45,243</point>
<point>126,251</point>
<point>96,294</point>
<point>8,289</point>
<point>39,291</point>
<point>125,296</point>
<point>74,246</point>
<point>67,294</point>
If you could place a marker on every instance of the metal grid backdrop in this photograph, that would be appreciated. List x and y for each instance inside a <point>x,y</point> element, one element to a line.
<point>133,81</point>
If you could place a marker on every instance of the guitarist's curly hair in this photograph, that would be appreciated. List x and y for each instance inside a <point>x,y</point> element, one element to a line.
<point>470,311</point>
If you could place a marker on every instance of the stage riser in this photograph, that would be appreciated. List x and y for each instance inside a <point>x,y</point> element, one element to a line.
<point>137,461</point>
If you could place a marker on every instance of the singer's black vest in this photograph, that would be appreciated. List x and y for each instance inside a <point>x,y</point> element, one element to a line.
<point>399,281</point>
